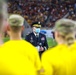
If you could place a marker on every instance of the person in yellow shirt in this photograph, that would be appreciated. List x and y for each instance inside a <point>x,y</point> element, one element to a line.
<point>19,56</point>
<point>61,60</point>
<point>13,62</point>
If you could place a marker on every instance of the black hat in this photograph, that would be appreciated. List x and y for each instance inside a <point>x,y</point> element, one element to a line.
<point>36,24</point>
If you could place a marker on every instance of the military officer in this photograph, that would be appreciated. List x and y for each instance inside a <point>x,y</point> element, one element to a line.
<point>36,38</point>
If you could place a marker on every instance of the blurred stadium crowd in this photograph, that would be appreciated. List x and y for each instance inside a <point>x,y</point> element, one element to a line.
<point>45,11</point>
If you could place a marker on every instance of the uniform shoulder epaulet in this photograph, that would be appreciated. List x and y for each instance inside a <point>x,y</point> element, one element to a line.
<point>27,34</point>
<point>42,33</point>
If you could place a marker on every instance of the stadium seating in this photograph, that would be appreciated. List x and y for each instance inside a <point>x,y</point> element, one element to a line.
<point>39,10</point>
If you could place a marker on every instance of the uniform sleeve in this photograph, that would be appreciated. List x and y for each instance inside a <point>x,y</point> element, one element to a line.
<point>27,38</point>
<point>46,66</point>
<point>46,44</point>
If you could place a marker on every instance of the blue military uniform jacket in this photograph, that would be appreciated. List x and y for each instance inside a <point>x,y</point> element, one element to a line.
<point>37,40</point>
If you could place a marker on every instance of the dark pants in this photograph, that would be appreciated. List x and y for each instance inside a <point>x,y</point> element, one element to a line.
<point>40,53</point>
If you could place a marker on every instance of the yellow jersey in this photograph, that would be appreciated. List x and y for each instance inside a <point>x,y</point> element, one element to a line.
<point>60,60</point>
<point>72,60</point>
<point>21,57</point>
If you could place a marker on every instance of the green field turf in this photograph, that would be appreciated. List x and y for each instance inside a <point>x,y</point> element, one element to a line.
<point>6,39</point>
<point>50,41</point>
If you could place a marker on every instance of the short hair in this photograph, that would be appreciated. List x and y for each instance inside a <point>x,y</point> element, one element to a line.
<point>16,29</point>
<point>15,22</point>
<point>66,28</point>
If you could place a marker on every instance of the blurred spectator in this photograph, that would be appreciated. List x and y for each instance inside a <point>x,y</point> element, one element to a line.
<point>43,10</point>
<point>75,7</point>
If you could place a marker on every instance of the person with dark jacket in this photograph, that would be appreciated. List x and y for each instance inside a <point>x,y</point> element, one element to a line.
<point>37,39</point>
